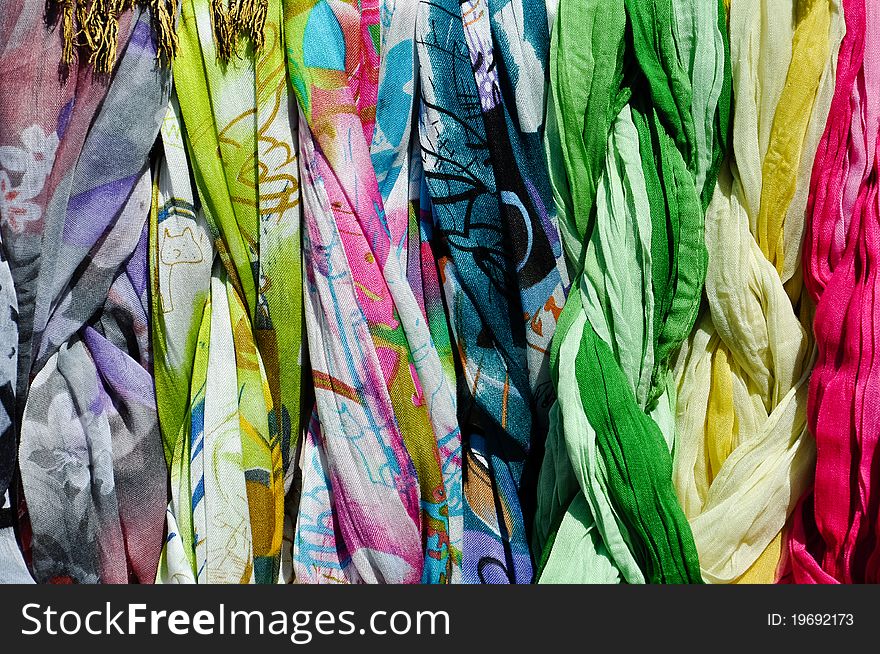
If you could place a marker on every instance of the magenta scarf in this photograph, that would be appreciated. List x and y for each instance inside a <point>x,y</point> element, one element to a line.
<point>834,535</point>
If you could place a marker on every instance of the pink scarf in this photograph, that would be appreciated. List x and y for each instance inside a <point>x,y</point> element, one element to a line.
<point>834,535</point>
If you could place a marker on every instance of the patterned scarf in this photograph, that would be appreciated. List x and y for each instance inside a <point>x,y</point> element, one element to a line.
<point>12,566</point>
<point>285,291</point>
<point>229,410</point>
<point>482,67</point>
<point>381,459</point>
<point>73,221</point>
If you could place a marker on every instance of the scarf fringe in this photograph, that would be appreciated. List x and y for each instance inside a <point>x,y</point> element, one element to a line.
<point>65,13</point>
<point>239,18</point>
<point>224,32</point>
<point>164,13</point>
<point>99,29</point>
<point>93,26</point>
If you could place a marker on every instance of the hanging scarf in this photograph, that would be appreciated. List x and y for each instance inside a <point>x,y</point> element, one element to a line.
<point>396,160</point>
<point>380,460</point>
<point>482,73</point>
<point>229,410</point>
<point>834,534</point>
<point>639,123</point>
<point>12,566</point>
<point>464,420</point>
<point>90,466</point>
<point>742,452</point>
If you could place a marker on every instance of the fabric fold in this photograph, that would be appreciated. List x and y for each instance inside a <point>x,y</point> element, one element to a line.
<point>227,303</point>
<point>482,70</point>
<point>381,459</point>
<point>90,466</point>
<point>833,535</point>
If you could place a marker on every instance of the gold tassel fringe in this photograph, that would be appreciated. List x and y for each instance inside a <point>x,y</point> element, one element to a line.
<point>93,27</point>
<point>164,12</point>
<point>238,18</point>
<point>225,37</point>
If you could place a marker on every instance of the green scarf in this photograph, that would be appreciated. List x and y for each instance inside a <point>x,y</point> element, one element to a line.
<point>230,435</point>
<point>635,139</point>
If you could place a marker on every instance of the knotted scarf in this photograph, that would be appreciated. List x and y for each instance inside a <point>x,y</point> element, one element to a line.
<point>742,455</point>
<point>636,120</point>
<point>834,534</point>
<point>381,476</point>
<point>482,68</point>
<point>75,161</point>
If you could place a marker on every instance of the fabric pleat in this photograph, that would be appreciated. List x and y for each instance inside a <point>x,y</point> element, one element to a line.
<point>439,291</point>
<point>76,239</point>
<point>12,565</point>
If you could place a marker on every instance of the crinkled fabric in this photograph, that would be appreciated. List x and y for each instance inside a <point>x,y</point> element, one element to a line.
<point>834,529</point>
<point>637,125</point>
<point>743,454</point>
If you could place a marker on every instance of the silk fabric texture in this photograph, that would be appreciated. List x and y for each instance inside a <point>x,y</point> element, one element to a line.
<point>381,499</point>
<point>227,306</point>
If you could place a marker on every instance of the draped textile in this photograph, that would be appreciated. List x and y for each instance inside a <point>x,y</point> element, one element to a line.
<point>482,66</point>
<point>12,565</point>
<point>743,455</point>
<point>381,458</point>
<point>229,409</point>
<point>833,536</point>
<point>439,291</point>
<point>90,464</point>
<point>637,124</point>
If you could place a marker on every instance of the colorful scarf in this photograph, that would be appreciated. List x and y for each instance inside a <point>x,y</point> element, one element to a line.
<point>482,66</point>
<point>742,451</point>
<point>639,123</point>
<point>229,410</point>
<point>90,464</point>
<point>411,388</point>
<point>380,461</point>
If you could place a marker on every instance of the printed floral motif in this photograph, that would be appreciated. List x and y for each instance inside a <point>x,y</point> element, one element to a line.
<point>31,165</point>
